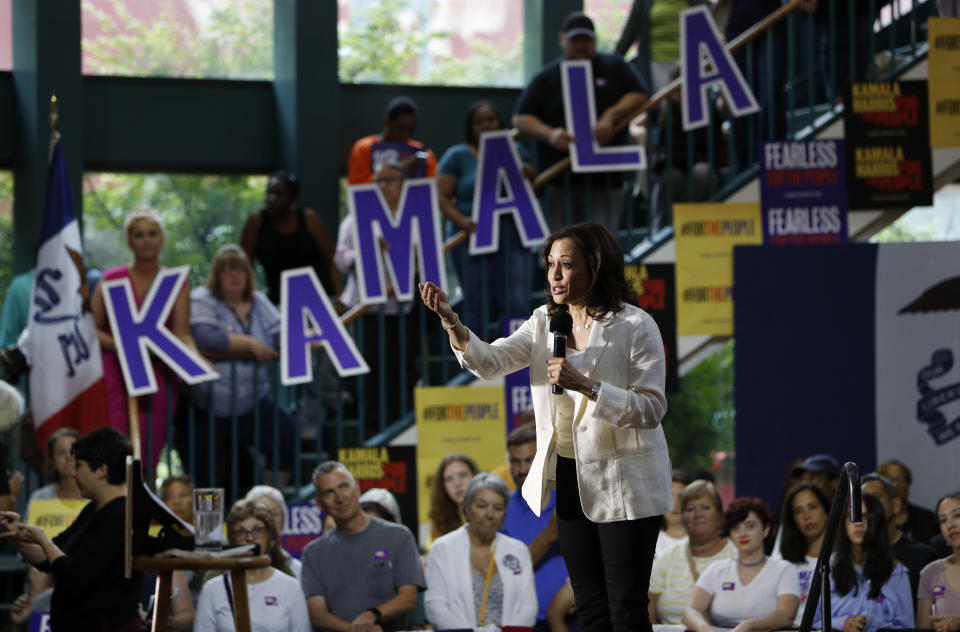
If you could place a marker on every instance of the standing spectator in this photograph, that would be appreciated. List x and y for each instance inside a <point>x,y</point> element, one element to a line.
<point>284,235</point>
<point>87,558</point>
<point>450,482</point>
<point>917,522</point>
<point>176,492</point>
<point>274,596</point>
<point>272,499</point>
<point>869,589</point>
<point>476,557</point>
<point>456,181</point>
<point>394,144</point>
<point>938,600</point>
<point>16,308</point>
<point>389,178</point>
<point>655,27</point>
<point>228,314</point>
<point>677,569</point>
<point>59,468</point>
<point>912,554</point>
<point>804,520</point>
<point>539,533</point>
<point>145,237</point>
<point>366,572</point>
<point>750,592</point>
<point>539,115</point>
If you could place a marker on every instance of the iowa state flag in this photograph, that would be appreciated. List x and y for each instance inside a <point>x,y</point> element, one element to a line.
<point>60,342</point>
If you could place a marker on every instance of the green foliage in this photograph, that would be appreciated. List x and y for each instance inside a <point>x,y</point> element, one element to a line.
<point>6,232</point>
<point>700,419</point>
<point>237,42</point>
<point>388,42</point>
<point>201,213</point>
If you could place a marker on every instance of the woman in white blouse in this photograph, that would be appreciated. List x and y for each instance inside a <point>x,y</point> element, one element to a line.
<point>750,592</point>
<point>477,577</point>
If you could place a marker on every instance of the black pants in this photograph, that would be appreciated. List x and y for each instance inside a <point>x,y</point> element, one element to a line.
<point>609,563</point>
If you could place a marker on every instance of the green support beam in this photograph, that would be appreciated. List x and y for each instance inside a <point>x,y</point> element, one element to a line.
<point>46,60</point>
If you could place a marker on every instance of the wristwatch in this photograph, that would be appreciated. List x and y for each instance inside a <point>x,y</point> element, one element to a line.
<point>376,614</point>
<point>595,391</point>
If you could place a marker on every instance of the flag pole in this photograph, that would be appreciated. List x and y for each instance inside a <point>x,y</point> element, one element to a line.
<point>133,412</point>
<point>54,121</point>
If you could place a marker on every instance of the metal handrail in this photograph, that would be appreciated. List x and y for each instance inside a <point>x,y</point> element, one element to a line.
<point>820,585</point>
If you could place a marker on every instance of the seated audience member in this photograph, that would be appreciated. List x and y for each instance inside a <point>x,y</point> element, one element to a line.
<point>366,572</point>
<point>274,596</point>
<point>804,520</point>
<point>450,482</point>
<point>869,589</point>
<point>228,314</point>
<point>394,144</point>
<point>272,499</point>
<point>938,598</point>
<point>87,558</point>
<point>823,471</point>
<point>750,592</point>
<point>176,492</point>
<point>904,549</point>
<point>672,531</point>
<point>397,321</point>
<point>539,533</point>
<point>380,503</point>
<point>677,569</point>
<point>478,578</point>
<point>917,522</point>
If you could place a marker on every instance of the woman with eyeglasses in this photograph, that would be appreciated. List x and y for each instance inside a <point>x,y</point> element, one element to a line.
<point>228,315</point>
<point>274,596</point>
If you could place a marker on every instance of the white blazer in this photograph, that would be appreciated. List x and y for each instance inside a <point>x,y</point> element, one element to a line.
<point>623,468</point>
<point>449,597</point>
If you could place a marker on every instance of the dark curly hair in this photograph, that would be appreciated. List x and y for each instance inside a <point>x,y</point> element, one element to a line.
<point>793,544</point>
<point>608,288</point>
<point>877,560</point>
<point>738,510</point>
<point>444,513</point>
<point>476,106</point>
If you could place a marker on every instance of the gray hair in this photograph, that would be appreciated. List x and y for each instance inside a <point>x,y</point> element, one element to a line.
<point>328,467</point>
<point>887,484</point>
<point>486,480</point>
<point>265,491</point>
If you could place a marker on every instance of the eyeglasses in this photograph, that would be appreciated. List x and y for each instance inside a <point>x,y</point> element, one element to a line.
<point>245,534</point>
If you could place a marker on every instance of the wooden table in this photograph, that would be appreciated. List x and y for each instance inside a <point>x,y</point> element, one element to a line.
<point>237,567</point>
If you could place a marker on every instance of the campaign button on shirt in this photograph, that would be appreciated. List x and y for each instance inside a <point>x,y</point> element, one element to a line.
<point>939,591</point>
<point>270,600</point>
<point>513,564</point>
<point>728,585</point>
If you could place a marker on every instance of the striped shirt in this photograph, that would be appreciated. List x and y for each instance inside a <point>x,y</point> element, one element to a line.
<point>672,580</point>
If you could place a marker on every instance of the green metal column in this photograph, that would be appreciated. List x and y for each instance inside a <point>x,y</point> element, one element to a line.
<point>308,100</point>
<point>46,60</point>
<point>542,21</point>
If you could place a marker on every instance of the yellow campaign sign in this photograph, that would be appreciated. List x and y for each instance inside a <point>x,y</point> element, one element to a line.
<point>456,419</point>
<point>53,515</point>
<point>705,235</point>
<point>943,81</point>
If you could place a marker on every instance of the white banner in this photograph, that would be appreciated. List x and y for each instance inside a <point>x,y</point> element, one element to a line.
<point>917,358</point>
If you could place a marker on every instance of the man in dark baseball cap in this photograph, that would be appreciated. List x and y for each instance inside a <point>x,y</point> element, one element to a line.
<point>577,23</point>
<point>822,470</point>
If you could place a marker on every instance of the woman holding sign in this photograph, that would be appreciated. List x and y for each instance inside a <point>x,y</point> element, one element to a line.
<point>145,237</point>
<point>599,441</point>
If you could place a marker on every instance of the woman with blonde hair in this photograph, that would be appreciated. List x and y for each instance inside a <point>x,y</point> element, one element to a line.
<point>145,237</point>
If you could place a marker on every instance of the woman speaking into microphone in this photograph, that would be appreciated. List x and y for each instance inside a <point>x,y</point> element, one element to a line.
<point>599,442</point>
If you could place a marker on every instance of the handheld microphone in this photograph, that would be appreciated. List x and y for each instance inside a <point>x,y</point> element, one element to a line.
<point>561,326</point>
